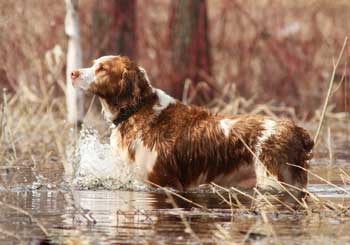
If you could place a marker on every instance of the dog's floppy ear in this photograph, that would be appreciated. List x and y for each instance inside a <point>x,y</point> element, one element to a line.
<point>127,84</point>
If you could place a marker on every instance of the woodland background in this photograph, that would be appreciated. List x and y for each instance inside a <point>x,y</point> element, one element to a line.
<point>279,53</point>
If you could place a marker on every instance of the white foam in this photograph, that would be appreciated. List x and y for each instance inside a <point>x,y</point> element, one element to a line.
<point>96,166</point>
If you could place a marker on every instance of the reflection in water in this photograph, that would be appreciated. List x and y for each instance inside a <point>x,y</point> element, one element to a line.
<point>140,217</point>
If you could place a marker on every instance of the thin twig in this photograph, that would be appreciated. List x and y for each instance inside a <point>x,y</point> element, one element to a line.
<point>264,197</point>
<point>236,190</point>
<point>320,178</point>
<point>185,93</point>
<point>10,234</point>
<point>178,195</point>
<point>329,92</point>
<point>188,228</point>
<point>89,109</point>
<point>329,144</point>
<point>20,210</point>
<point>5,125</point>
<point>86,214</point>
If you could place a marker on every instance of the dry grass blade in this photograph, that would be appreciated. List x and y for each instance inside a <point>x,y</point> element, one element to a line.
<point>179,196</point>
<point>222,234</point>
<point>223,198</point>
<point>241,206</point>
<point>329,144</point>
<point>266,221</point>
<point>8,134</point>
<point>236,190</point>
<point>329,92</point>
<point>185,93</point>
<point>250,231</point>
<point>87,215</point>
<point>10,234</point>
<point>283,203</point>
<point>20,210</point>
<point>258,225</point>
<point>229,202</point>
<point>345,174</point>
<point>89,109</point>
<point>320,178</point>
<point>188,228</point>
<point>265,199</point>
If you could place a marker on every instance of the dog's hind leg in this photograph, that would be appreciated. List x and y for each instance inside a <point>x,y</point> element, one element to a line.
<point>283,159</point>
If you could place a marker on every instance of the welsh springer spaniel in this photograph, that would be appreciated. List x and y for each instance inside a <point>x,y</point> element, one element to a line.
<point>175,145</point>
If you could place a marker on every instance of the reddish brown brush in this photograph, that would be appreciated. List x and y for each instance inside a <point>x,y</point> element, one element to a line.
<point>276,50</point>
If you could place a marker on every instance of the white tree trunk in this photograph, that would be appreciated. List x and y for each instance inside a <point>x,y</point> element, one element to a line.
<point>74,97</point>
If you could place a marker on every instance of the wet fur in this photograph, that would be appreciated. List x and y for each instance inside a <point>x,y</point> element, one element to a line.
<point>188,144</point>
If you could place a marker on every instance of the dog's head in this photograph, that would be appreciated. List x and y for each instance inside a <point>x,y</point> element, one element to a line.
<point>113,77</point>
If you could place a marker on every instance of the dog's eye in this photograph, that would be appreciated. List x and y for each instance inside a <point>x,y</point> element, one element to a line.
<point>101,68</point>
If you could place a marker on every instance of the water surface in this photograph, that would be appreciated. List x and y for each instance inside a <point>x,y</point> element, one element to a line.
<point>142,216</point>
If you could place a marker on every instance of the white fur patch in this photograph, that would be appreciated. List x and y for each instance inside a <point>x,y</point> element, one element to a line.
<point>262,178</point>
<point>226,125</point>
<point>270,128</point>
<point>108,115</point>
<point>103,58</point>
<point>164,101</point>
<point>145,158</point>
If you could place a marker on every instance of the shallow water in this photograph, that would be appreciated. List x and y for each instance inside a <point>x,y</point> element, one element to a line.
<point>130,213</point>
<point>145,217</point>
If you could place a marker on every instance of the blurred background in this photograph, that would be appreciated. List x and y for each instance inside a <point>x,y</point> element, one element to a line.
<point>275,53</point>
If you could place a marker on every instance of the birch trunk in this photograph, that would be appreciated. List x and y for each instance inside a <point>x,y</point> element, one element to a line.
<point>74,97</point>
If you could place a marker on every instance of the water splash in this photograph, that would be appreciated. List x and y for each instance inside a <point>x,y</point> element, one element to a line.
<point>96,167</point>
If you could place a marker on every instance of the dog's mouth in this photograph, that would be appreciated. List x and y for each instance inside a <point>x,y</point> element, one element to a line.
<point>81,79</point>
<point>78,84</point>
<point>75,83</point>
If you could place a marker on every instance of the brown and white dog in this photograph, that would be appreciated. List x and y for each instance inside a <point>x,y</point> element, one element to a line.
<point>175,145</point>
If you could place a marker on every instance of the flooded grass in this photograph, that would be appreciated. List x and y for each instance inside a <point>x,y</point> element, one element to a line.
<point>61,187</point>
<point>148,217</point>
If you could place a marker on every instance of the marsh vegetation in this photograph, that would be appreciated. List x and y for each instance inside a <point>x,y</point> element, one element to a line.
<point>59,183</point>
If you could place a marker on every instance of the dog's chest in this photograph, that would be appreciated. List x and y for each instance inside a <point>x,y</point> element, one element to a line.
<point>133,151</point>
